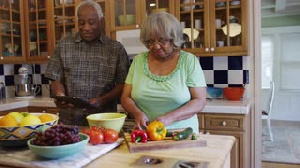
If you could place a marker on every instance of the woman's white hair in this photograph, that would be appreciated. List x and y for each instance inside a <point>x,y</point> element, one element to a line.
<point>93,4</point>
<point>164,25</point>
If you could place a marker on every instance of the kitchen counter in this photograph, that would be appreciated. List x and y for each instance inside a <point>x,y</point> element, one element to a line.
<point>217,153</point>
<point>212,106</point>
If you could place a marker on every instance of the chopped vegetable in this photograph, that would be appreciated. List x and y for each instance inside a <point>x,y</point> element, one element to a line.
<point>183,134</point>
<point>194,136</point>
<point>170,133</point>
<point>156,130</point>
<point>139,136</point>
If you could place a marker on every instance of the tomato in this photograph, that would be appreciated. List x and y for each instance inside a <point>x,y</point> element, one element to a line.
<point>86,131</point>
<point>96,137</point>
<point>95,128</point>
<point>110,135</point>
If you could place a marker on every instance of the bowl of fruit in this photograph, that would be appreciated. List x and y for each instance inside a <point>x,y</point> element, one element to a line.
<point>58,142</point>
<point>16,128</point>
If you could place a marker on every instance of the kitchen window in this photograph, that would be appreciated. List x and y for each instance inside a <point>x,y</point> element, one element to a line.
<point>267,55</point>
<point>280,58</point>
<point>290,61</point>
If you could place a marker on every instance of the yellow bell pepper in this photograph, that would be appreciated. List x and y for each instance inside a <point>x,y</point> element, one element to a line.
<point>156,131</point>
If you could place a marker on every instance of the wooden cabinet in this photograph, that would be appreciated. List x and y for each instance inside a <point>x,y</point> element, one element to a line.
<point>63,19</point>
<point>130,14</point>
<point>237,125</point>
<point>12,41</point>
<point>214,27</point>
<point>34,27</point>
<point>38,35</point>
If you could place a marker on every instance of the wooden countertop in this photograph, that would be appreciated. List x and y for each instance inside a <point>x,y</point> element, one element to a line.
<point>217,152</point>
<point>212,106</point>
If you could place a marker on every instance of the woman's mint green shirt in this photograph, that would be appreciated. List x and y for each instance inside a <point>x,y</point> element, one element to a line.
<point>157,95</point>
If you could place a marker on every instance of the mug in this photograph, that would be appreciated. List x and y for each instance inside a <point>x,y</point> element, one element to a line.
<point>220,43</point>
<point>218,23</point>
<point>198,24</point>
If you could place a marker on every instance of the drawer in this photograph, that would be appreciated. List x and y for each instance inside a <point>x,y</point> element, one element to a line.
<point>229,122</point>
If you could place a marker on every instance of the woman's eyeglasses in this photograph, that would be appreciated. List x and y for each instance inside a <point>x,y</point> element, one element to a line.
<point>159,42</point>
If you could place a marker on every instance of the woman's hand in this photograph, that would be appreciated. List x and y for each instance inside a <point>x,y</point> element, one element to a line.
<point>141,120</point>
<point>165,119</point>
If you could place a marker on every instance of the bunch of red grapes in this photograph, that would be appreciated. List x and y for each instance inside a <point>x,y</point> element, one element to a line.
<point>58,135</point>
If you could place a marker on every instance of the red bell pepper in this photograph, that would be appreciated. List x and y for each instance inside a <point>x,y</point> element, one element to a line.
<point>139,136</point>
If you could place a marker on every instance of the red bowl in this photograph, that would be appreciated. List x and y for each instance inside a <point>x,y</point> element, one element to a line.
<point>234,93</point>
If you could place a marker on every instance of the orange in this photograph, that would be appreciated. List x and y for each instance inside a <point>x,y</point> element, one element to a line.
<point>8,121</point>
<point>45,118</point>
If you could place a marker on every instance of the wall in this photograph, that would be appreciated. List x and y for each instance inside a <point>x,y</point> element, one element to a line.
<point>220,71</point>
<point>281,21</point>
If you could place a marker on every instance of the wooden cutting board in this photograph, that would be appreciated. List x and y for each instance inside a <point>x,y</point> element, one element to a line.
<point>167,143</point>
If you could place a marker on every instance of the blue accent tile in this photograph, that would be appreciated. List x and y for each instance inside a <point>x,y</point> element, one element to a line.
<point>220,77</point>
<point>17,67</point>
<point>207,63</point>
<point>37,69</point>
<point>1,69</point>
<point>235,62</point>
<point>44,80</point>
<point>9,80</point>
<point>246,76</point>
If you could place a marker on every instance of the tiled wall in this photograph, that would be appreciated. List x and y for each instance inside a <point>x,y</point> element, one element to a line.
<point>8,73</point>
<point>219,71</point>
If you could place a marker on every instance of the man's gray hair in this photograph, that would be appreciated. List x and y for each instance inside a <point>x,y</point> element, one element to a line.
<point>163,24</point>
<point>93,4</point>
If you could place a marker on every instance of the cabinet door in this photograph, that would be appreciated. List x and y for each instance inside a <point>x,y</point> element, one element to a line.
<point>63,19</point>
<point>230,25</point>
<point>38,42</point>
<point>125,14</point>
<point>194,19</point>
<point>214,27</point>
<point>12,42</point>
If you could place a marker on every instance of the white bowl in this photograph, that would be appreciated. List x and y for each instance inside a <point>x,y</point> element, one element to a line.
<point>233,3</point>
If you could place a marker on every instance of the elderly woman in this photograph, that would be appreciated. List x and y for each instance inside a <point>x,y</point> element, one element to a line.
<point>164,83</point>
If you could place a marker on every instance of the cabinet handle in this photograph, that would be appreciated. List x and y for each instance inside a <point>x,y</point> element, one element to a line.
<point>1,58</point>
<point>207,133</point>
<point>212,49</point>
<point>48,56</point>
<point>206,50</point>
<point>43,111</point>
<point>137,26</point>
<point>224,123</point>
